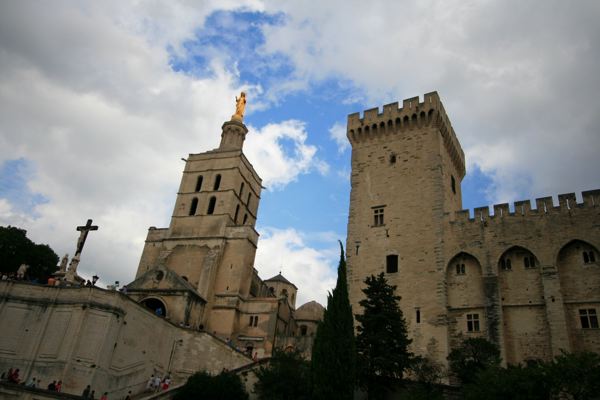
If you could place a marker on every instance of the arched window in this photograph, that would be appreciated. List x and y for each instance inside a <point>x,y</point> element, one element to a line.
<point>217,182</point>
<point>245,219</point>
<point>303,330</point>
<point>248,201</point>
<point>211,205</point>
<point>199,183</point>
<point>194,206</point>
<point>241,189</point>
<point>237,211</point>
<point>284,292</point>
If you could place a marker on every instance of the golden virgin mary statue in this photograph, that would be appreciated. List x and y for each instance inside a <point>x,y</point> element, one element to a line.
<point>240,107</point>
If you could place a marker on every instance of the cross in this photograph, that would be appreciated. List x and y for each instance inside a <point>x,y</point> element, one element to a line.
<point>84,232</point>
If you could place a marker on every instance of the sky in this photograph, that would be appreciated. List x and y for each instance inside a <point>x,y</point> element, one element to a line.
<point>99,101</point>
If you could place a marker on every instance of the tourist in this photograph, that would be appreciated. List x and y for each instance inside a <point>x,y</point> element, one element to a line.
<point>58,386</point>
<point>92,395</point>
<point>32,383</point>
<point>150,383</point>
<point>52,386</point>
<point>166,383</point>
<point>128,397</point>
<point>156,383</point>
<point>86,392</point>
<point>104,396</point>
<point>6,375</point>
<point>14,376</point>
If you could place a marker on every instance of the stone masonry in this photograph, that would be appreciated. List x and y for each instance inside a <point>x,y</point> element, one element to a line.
<point>526,278</point>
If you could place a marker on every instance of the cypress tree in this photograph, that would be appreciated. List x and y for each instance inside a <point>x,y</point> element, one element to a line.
<point>382,340</point>
<point>333,356</point>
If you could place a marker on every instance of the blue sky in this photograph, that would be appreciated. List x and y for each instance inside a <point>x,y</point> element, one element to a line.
<point>99,101</point>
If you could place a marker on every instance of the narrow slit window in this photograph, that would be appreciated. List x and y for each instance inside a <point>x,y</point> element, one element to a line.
<point>251,320</point>
<point>211,205</point>
<point>418,316</point>
<point>248,201</point>
<point>199,183</point>
<point>194,206</point>
<point>245,219</point>
<point>237,211</point>
<point>241,189</point>
<point>217,182</point>
<point>256,320</point>
<point>586,257</point>
<point>460,269</point>
<point>453,183</point>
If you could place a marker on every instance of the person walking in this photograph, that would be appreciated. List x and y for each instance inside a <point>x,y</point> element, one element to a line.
<point>86,392</point>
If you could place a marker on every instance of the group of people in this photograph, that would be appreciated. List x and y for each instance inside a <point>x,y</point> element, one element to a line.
<point>89,394</point>
<point>12,376</point>
<point>156,383</point>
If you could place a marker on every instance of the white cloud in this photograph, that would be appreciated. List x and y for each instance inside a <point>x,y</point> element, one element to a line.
<point>516,75</point>
<point>313,271</point>
<point>337,133</point>
<point>275,162</point>
<point>90,101</point>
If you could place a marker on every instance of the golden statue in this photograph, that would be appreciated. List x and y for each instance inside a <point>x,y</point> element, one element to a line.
<point>240,107</point>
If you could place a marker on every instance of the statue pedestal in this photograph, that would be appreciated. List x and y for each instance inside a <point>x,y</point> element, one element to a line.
<point>234,134</point>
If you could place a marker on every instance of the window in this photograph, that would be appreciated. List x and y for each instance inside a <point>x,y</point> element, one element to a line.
<point>211,205</point>
<point>217,182</point>
<point>453,184</point>
<point>237,211</point>
<point>199,183</point>
<point>460,269</point>
<point>248,201</point>
<point>418,316</point>
<point>391,263</point>
<point>377,216</point>
<point>393,159</point>
<point>589,257</point>
<point>253,320</point>
<point>473,322</point>
<point>529,261</point>
<point>505,264</point>
<point>588,317</point>
<point>194,206</point>
<point>245,219</point>
<point>303,330</point>
<point>241,189</point>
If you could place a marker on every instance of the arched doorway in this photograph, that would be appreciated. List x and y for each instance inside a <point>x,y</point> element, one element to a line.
<point>156,305</point>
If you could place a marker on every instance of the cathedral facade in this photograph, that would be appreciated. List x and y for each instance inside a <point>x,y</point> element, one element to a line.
<point>526,278</point>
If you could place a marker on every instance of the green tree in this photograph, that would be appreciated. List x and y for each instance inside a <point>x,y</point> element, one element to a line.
<point>333,356</point>
<point>576,375</point>
<point>426,377</point>
<point>382,341</point>
<point>203,386</point>
<point>528,382</point>
<point>286,377</point>
<point>17,249</point>
<point>473,356</point>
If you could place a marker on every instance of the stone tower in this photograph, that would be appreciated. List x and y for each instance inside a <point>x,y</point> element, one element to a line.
<point>211,241</point>
<point>524,278</point>
<point>407,166</point>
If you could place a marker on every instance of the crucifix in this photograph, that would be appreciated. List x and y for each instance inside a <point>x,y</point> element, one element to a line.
<point>85,229</point>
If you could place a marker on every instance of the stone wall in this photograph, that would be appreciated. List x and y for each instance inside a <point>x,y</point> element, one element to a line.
<point>103,338</point>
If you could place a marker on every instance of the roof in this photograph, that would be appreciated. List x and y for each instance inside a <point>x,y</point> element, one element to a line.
<point>311,311</point>
<point>280,278</point>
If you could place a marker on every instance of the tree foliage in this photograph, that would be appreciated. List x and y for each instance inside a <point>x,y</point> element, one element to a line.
<point>286,377</point>
<point>382,341</point>
<point>17,249</point>
<point>528,382</point>
<point>333,356</point>
<point>473,356</point>
<point>203,386</point>
<point>575,375</point>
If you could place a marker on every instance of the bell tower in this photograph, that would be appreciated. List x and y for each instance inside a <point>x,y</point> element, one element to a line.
<point>211,240</point>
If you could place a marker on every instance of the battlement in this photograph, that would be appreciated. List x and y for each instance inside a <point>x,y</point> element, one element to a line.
<point>412,115</point>
<point>567,203</point>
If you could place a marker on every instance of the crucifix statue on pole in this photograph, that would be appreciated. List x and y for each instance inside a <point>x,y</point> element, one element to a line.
<point>85,229</point>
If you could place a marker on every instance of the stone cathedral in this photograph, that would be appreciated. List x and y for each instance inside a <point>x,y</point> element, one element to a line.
<point>197,303</point>
<point>526,278</point>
